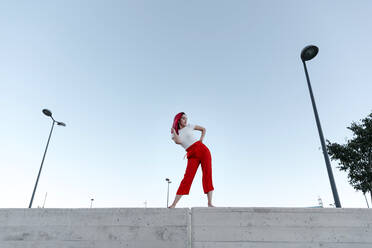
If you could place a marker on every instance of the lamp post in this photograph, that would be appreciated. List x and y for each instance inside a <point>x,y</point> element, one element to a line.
<point>46,193</point>
<point>366,199</point>
<point>309,53</point>
<point>169,181</point>
<point>49,114</point>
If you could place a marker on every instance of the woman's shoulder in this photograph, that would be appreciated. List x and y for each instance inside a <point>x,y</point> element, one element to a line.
<point>191,126</point>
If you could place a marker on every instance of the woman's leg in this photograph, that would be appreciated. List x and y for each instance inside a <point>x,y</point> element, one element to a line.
<point>185,185</point>
<point>206,164</point>
<point>178,197</point>
<point>209,194</point>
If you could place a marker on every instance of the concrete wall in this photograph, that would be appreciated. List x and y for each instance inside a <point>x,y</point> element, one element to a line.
<point>101,228</point>
<point>281,227</point>
<point>198,227</point>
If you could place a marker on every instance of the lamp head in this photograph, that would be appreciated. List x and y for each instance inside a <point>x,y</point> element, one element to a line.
<point>61,124</point>
<point>309,52</point>
<point>47,112</point>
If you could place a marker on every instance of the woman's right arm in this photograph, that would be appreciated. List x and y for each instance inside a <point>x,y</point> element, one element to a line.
<point>175,137</point>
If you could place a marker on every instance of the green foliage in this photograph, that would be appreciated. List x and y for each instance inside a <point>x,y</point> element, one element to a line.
<point>355,157</point>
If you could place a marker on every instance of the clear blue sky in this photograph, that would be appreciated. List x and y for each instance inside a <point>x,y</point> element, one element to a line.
<point>116,72</point>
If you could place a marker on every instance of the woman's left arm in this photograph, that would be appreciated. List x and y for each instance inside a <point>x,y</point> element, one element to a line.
<point>202,129</point>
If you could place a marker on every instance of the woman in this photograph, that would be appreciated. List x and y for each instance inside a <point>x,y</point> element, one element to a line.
<point>197,153</point>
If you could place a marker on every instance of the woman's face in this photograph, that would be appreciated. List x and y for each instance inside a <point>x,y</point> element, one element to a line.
<point>183,121</point>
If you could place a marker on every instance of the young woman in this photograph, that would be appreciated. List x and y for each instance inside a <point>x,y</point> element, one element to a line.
<point>197,153</point>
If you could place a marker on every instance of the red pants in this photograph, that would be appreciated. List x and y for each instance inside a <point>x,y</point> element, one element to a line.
<point>197,154</point>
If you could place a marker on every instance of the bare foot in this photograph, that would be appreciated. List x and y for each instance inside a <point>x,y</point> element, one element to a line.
<point>210,205</point>
<point>171,206</point>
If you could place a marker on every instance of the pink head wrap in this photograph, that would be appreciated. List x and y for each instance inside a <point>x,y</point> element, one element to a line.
<point>176,120</point>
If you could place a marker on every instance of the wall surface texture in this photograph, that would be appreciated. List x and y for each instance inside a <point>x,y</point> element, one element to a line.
<point>281,227</point>
<point>98,228</point>
<point>198,227</point>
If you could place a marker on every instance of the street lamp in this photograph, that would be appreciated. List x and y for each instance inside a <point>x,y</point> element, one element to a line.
<point>366,199</point>
<point>49,114</point>
<point>309,53</point>
<point>169,181</point>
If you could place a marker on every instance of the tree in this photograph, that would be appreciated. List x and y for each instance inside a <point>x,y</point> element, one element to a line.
<point>355,157</point>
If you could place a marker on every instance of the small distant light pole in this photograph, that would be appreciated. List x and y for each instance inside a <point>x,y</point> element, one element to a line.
<point>169,181</point>
<point>320,202</point>
<point>49,114</point>
<point>46,194</point>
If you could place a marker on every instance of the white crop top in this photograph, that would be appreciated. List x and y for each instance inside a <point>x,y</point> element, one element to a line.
<point>186,136</point>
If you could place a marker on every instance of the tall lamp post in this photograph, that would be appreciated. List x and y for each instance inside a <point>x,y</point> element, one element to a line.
<point>49,114</point>
<point>309,53</point>
<point>169,181</point>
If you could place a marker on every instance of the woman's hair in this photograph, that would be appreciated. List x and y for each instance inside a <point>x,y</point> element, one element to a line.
<point>176,121</point>
<point>180,120</point>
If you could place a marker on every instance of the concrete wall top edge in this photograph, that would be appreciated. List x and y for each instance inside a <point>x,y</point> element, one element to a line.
<point>196,208</point>
<point>281,210</point>
<point>94,209</point>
